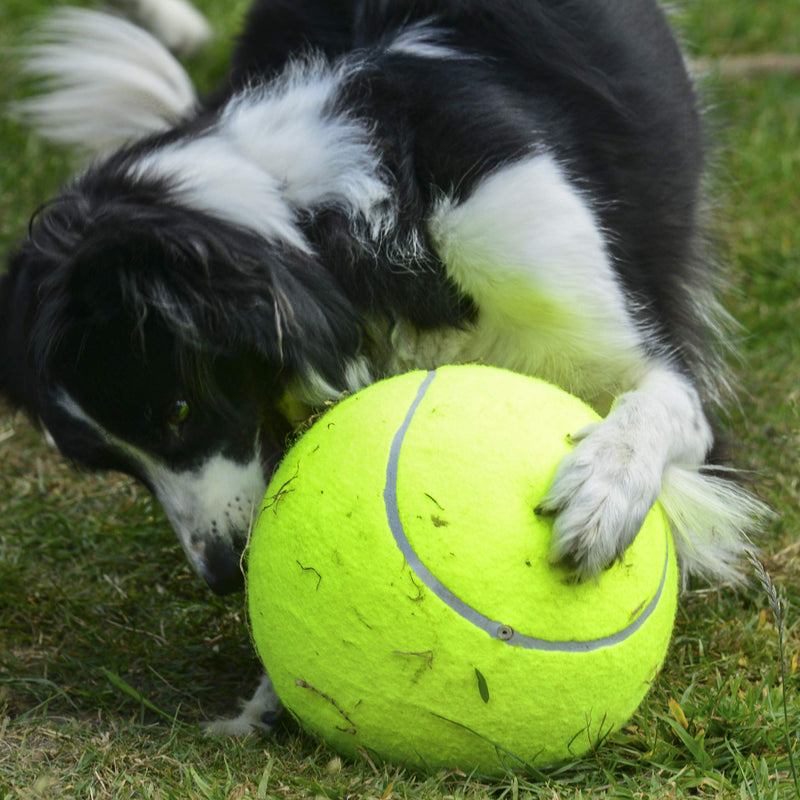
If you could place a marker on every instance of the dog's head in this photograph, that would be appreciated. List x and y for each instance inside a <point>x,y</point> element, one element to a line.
<point>158,340</point>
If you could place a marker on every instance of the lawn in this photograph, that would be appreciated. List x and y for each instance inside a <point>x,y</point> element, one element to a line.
<point>112,653</point>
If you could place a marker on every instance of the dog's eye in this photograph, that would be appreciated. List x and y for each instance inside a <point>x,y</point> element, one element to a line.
<point>179,413</point>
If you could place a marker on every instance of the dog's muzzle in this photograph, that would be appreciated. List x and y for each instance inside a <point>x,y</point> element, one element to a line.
<point>222,568</point>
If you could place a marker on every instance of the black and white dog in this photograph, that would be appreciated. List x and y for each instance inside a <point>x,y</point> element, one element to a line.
<point>379,185</point>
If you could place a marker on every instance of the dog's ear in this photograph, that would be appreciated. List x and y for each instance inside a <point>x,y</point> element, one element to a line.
<point>277,302</point>
<point>219,291</point>
<point>314,324</point>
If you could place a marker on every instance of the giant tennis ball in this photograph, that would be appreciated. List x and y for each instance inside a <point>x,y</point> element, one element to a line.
<point>400,592</point>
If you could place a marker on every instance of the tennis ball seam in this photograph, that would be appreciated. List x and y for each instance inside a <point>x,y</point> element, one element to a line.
<point>496,629</point>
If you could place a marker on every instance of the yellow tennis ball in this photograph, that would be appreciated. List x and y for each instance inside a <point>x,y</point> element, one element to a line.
<point>400,593</point>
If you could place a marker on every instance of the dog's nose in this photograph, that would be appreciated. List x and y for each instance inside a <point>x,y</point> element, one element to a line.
<point>222,569</point>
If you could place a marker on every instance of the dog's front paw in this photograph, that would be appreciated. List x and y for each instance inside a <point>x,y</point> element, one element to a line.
<point>261,712</point>
<point>599,498</point>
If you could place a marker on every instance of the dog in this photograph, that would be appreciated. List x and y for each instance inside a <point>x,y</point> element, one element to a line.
<point>377,186</point>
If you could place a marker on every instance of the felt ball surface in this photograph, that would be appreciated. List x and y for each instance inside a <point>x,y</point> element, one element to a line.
<point>400,592</point>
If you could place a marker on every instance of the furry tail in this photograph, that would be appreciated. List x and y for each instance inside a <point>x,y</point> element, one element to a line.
<point>180,26</point>
<point>711,518</point>
<point>104,82</point>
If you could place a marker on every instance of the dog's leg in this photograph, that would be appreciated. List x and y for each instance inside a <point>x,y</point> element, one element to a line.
<point>261,711</point>
<point>526,246</point>
<point>652,445</point>
<point>604,489</point>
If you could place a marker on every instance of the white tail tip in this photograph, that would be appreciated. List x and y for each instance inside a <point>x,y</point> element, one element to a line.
<point>105,82</point>
<point>178,24</point>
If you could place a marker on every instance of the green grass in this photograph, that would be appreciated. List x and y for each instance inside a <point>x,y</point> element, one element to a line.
<point>111,652</point>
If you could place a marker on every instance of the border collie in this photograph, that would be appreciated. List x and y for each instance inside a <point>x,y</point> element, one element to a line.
<point>379,185</point>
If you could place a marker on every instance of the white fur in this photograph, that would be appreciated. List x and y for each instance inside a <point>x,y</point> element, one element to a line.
<point>264,702</point>
<point>274,148</point>
<point>210,175</point>
<point>289,129</point>
<point>422,40</point>
<point>178,24</point>
<point>526,245</point>
<point>105,82</point>
<point>210,502</point>
<point>313,390</point>
<point>711,518</point>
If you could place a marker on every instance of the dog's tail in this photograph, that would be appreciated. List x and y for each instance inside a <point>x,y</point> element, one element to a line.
<point>104,82</point>
<point>177,23</point>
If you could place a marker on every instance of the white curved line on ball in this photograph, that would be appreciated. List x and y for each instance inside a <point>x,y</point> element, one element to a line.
<point>495,629</point>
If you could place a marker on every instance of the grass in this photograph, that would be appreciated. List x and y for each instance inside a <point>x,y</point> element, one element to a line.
<point>111,652</point>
